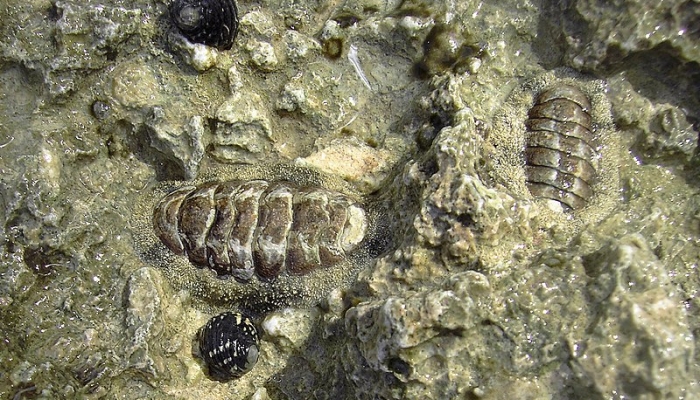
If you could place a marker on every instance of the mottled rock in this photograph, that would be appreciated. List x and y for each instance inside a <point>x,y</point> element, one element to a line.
<point>373,6</point>
<point>30,200</point>
<point>243,131</point>
<point>199,56</point>
<point>183,144</point>
<point>541,328</point>
<point>292,98</point>
<point>144,322</point>
<point>426,340</point>
<point>604,32</point>
<point>289,328</point>
<point>332,39</point>
<point>260,22</point>
<point>459,211</point>
<point>235,79</point>
<point>74,38</point>
<point>99,26</point>
<point>662,130</point>
<point>260,394</point>
<point>448,48</point>
<point>261,33</point>
<point>135,85</point>
<point>640,344</point>
<point>670,135</point>
<point>299,46</point>
<point>262,55</point>
<point>355,162</point>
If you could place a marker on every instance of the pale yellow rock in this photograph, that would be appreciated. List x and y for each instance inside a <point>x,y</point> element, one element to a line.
<point>356,162</point>
<point>135,85</point>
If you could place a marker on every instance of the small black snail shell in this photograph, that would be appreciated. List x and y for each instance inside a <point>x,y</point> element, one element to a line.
<point>228,344</point>
<point>210,22</point>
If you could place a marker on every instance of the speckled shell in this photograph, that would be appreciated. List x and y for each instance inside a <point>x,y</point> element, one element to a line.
<point>228,345</point>
<point>560,153</point>
<point>246,228</point>
<point>210,22</point>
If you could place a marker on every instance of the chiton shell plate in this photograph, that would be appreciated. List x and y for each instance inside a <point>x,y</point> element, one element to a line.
<point>242,228</point>
<point>261,237</point>
<point>560,153</point>
<point>553,144</point>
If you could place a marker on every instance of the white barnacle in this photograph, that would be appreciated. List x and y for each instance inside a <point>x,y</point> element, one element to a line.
<point>355,61</point>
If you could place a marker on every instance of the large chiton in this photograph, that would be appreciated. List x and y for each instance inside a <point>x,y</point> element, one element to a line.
<point>560,150</point>
<point>246,228</point>
<point>260,236</point>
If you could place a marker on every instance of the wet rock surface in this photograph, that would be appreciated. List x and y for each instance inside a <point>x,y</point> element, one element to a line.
<point>598,33</point>
<point>477,290</point>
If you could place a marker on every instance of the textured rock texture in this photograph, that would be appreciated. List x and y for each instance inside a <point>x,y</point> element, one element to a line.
<point>473,288</point>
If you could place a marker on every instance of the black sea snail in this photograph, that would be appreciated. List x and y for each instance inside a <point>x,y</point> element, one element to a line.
<point>210,22</point>
<point>242,228</point>
<point>560,153</point>
<point>229,345</point>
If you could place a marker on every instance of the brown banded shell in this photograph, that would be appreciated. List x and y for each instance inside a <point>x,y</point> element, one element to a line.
<point>210,22</point>
<point>560,153</point>
<point>242,228</point>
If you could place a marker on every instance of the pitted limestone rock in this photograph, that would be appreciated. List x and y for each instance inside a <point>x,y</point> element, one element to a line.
<point>641,319</point>
<point>429,337</point>
<point>243,131</point>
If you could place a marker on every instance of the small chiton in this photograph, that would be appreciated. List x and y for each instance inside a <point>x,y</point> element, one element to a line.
<point>245,228</point>
<point>560,153</point>
<point>210,22</point>
<point>229,345</point>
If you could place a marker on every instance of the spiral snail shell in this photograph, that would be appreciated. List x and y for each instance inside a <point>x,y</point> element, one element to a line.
<point>228,344</point>
<point>210,22</point>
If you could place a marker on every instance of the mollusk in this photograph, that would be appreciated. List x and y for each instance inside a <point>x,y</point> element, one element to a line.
<point>229,345</point>
<point>560,153</point>
<point>241,228</point>
<point>210,22</point>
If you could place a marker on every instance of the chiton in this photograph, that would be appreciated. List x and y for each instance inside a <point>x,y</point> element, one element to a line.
<point>229,345</point>
<point>560,150</point>
<point>245,228</point>
<point>210,22</point>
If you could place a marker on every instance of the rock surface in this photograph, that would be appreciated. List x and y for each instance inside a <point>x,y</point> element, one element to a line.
<point>472,288</point>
